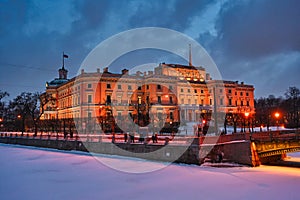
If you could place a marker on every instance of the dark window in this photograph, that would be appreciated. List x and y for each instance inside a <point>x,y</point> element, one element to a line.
<point>202,91</point>
<point>147,87</point>
<point>230,102</point>
<point>89,85</point>
<point>159,99</point>
<point>119,87</point>
<point>241,93</point>
<point>140,88</point>
<point>129,87</point>
<point>158,87</point>
<point>221,90</point>
<point>242,103</point>
<point>229,91</point>
<point>189,90</point>
<point>195,91</point>
<point>147,99</point>
<point>108,85</point>
<point>247,94</point>
<point>171,100</point>
<point>221,102</point>
<point>248,103</point>
<point>170,87</point>
<point>181,90</point>
<point>108,99</point>
<point>89,98</point>
<point>171,116</point>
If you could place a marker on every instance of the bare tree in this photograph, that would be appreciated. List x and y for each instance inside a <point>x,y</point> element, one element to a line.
<point>292,95</point>
<point>31,104</point>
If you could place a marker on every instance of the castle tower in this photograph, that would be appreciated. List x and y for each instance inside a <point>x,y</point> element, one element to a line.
<point>63,73</point>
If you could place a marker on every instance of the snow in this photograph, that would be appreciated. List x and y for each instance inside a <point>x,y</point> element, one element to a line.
<point>36,173</point>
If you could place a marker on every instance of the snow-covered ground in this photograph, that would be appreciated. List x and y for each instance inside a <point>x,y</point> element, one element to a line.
<point>33,173</point>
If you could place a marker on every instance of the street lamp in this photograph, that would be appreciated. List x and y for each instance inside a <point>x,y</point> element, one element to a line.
<point>246,117</point>
<point>277,115</point>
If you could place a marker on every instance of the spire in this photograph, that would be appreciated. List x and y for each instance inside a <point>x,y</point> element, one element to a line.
<point>190,55</point>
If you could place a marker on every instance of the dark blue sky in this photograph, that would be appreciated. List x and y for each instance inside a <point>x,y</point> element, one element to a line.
<point>255,41</point>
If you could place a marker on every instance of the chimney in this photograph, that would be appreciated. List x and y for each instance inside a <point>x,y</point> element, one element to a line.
<point>105,69</point>
<point>207,76</point>
<point>124,71</point>
<point>98,70</point>
<point>138,73</point>
<point>82,71</point>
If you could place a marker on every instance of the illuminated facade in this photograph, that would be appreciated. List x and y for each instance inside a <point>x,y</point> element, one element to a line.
<point>170,93</point>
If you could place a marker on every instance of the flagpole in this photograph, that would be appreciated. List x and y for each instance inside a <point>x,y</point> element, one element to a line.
<point>63,60</point>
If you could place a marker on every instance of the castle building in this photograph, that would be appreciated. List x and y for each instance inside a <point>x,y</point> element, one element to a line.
<point>169,94</point>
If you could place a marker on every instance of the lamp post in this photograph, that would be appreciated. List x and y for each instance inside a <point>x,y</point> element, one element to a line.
<point>1,123</point>
<point>277,115</point>
<point>246,120</point>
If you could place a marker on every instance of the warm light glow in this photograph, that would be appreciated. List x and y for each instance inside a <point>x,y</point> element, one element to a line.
<point>282,126</point>
<point>166,96</point>
<point>101,106</point>
<point>261,126</point>
<point>19,116</point>
<point>277,115</point>
<point>1,119</point>
<point>203,121</point>
<point>247,114</point>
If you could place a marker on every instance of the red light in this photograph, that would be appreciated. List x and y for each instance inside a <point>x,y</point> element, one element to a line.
<point>203,122</point>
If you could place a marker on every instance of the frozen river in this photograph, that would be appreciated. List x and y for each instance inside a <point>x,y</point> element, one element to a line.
<point>33,173</point>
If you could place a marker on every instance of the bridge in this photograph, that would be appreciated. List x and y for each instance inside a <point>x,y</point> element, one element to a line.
<point>272,146</point>
<point>245,148</point>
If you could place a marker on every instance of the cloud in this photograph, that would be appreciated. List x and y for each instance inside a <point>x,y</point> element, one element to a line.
<point>246,38</point>
<point>250,29</point>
